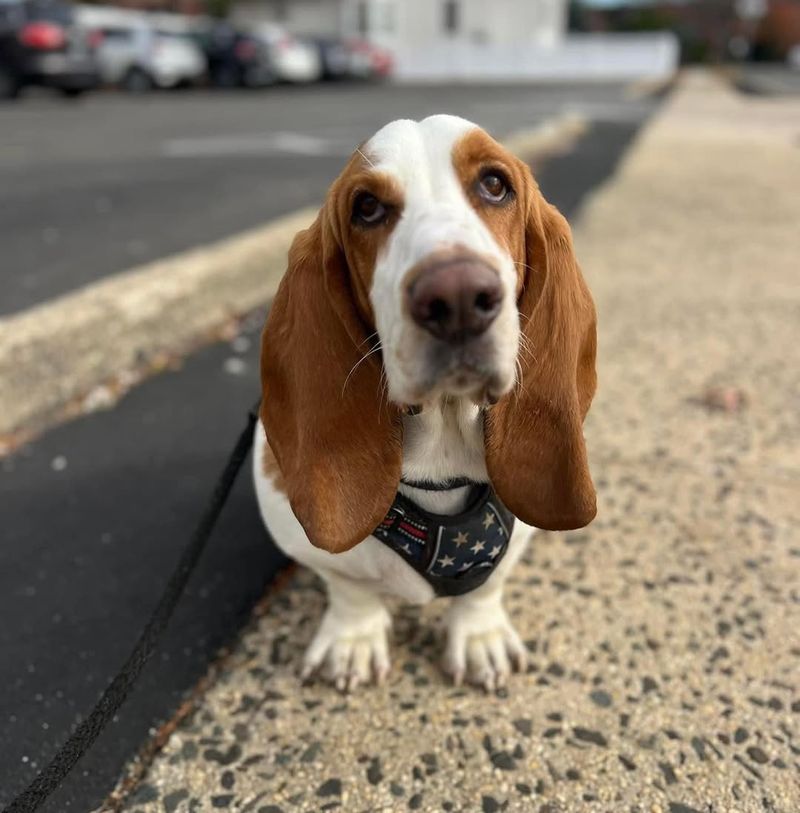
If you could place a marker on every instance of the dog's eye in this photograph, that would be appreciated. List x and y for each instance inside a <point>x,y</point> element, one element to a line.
<point>493,187</point>
<point>368,210</point>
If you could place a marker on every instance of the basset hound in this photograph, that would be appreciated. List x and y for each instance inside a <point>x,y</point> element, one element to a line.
<point>427,364</point>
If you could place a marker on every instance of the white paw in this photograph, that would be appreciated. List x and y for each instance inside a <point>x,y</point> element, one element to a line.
<point>482,646</point>
<point>349,651</point>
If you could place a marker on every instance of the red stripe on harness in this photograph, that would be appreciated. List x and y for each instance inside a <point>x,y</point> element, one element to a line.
<point>414,531</point>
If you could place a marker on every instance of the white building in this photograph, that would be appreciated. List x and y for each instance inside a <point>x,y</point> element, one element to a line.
<point>402,23</point>
<point>474,40</point>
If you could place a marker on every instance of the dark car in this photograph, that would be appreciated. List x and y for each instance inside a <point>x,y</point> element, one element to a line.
<point>335,57</point>
<point>237,59</point>
<point>40,44</point>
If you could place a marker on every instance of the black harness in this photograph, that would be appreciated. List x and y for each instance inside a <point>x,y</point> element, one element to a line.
<point>454,554</point>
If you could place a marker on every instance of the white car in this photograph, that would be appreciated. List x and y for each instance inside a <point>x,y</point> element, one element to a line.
<point>140,58</point>
<point>294,60</point>
<point>137,56</point>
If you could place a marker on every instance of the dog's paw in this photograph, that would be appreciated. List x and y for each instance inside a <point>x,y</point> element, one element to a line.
<point>482,646</point>
<point>349,652</point>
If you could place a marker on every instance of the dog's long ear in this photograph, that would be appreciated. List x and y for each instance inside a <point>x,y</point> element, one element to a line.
<point>336,440</point>
<point>535,449</point>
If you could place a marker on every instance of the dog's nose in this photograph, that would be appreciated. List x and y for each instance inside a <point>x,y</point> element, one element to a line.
<point>455,300</point>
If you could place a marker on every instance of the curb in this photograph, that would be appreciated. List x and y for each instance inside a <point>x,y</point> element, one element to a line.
<point>552,136</point>
<point>646,88</point>
<point>55,356</point>
<point>82,351</point>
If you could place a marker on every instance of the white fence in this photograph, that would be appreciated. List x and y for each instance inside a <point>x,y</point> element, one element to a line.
<point>578,57</point>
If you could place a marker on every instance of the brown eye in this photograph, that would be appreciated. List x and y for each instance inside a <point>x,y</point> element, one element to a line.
<point>368,210</point>
<point>493,188</point>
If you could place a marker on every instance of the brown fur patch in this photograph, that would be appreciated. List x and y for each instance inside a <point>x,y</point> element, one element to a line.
<point>336,441</point>
<point>360,244</point>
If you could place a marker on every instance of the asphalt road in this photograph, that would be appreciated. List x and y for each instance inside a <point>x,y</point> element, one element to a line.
<point>95,514</point>
<point>91,187</point>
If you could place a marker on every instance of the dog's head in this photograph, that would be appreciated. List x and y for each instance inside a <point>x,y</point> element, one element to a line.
<point>434,269</point>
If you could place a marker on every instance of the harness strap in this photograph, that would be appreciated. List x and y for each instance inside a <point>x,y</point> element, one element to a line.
<point>454,554</point>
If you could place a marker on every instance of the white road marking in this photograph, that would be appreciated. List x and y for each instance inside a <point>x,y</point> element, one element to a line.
<point>278,143</point>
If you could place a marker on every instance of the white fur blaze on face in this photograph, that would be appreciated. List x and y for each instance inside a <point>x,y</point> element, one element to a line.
<point>437,216</point>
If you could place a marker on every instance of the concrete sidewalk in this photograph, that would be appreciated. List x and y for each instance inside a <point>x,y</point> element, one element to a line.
<point>665,638</point>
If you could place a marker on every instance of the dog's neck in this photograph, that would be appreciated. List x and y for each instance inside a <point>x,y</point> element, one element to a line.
<point>440,443</point>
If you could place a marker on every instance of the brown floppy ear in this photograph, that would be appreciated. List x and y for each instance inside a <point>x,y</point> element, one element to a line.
<point>535,452</point>
<point>336,440</point>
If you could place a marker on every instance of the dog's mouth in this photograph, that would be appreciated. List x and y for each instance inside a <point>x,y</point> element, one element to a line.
<point>468,371</point>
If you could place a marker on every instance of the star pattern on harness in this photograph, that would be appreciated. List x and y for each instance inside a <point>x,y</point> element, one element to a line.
<point>455,556</point>
<point>460,539</point>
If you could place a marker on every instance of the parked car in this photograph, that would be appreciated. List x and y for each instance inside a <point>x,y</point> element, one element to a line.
<point>353,58</point>
<point>294,59</point>
<point>368,60</point>
<point>139,59</point>
<point>40,44</point>
<point>335,57</point>
<point>138,56</point>
<point>237,59</point>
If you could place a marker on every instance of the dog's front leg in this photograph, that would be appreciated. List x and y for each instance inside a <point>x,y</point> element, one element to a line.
<point>482,644</point>
<point>351,646</point>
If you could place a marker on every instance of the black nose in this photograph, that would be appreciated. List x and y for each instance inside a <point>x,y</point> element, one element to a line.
<point>455,300</point>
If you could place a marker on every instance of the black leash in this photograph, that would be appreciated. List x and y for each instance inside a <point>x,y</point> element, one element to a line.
<point>114,696</point>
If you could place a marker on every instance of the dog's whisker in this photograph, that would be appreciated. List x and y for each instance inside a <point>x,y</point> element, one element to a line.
<point>520,385</point>
<point>369,338</point>
<point>363,358</point>
<point>384,390</point>
<point>525,347</point>
<point>524,344</point>
<point>358,150</point>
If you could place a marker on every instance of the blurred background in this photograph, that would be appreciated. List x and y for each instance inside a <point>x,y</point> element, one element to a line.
<point>142,45</point>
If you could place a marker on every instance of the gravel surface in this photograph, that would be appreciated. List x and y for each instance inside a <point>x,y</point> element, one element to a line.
<point>665,637</point>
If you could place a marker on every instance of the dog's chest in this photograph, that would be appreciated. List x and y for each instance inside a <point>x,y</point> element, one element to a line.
<point>444,442</point>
